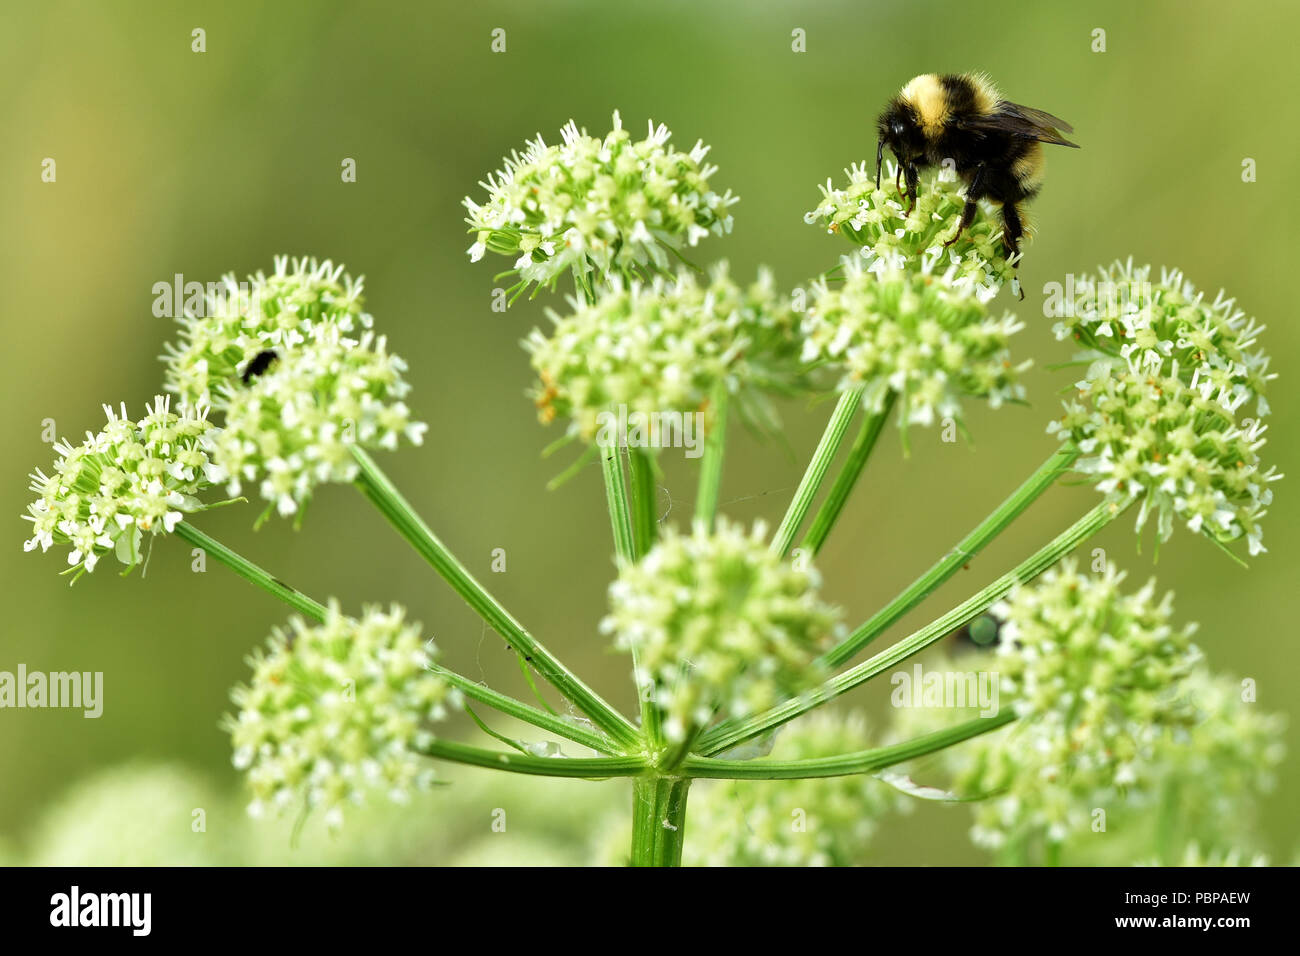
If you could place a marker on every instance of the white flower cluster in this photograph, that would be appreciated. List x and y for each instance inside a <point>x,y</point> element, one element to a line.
<point>826,821</point>
<point>1098,679</point>
<point>336,710</point>
<point>292,429</point>
<point>273,312</point>
<point>719,624</point>
<point>604,206</point>
<point>914,333</point>
<point>664,347</point>
<point>293,368</point>
<point>1165,409</point>
<point>875,219</point>
<point>126,481</point>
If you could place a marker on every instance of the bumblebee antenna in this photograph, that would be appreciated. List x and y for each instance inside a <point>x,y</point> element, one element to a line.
<point>880,155</point>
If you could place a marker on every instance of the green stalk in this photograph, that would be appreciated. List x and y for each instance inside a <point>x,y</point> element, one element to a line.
<point>863,761</point>
<point>374,484</point>
<point>645,506</point>
<point>706,498</point>
<point>988,529</point>
<point>251,572</point>
<point>616,499</point>
<point>815,474</point>
<point>590,768</point>
<point>520,711</point>
<point>658,820</point>
<point>730,733</point>
<point>316,611</point>
<point>830,510</point>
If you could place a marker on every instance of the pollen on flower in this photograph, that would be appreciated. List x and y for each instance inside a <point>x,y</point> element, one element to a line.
<point>597,207</point>
<point>336,711</point>
<point>130,479</point>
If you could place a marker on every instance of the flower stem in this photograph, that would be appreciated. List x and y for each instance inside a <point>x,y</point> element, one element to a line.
<point>815,474</point>
<point>988,529</point>
<point>316,611</point>
<point>645,506</point>
<point>616,498</point>
<point>706,498</point>
<point>863,761</point>
<point>730,733</point>
<point>658,820</point>
<point>521,711</point>
<point>374,484</point>
<point>591,768</point>
<point>251,572</point>
<point>830,510</point>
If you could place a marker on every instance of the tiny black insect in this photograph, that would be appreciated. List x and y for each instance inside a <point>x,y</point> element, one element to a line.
<point>258,365</point>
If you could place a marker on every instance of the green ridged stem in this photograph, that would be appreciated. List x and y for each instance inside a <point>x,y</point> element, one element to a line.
<point>815,474</point>
<point>659,820</point>
<point>377,488</point>
<point>731,733</point>
<point>843,765</point>
<point>838,496</point>
<point>1057,464</point>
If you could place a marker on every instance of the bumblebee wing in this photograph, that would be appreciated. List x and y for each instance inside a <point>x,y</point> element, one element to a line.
<point>1023,121</point>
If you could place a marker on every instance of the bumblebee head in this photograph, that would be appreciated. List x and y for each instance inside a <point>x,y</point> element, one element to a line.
<point>899,129</point>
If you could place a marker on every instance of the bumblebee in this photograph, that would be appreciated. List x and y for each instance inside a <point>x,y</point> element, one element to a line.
<point>994,145</point>
<point>258,365</point>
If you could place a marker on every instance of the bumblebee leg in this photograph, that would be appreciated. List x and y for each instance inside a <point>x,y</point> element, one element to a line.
<point>1012,230</point>
<point>912,176</point>
<point>880,158</point>
<point>974,192</point>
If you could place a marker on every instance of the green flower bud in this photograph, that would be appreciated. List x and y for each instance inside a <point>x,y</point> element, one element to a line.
<point>664,347</point>
<point>719,624</point>
<point>336,710</point>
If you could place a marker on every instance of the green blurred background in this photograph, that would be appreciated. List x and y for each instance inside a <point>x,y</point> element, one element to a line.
<point>169,161</point>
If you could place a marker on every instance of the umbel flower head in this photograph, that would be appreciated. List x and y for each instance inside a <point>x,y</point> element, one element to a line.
<point>719,624</point>
<point>1165,409</point>
<point>129,480</point>
<point>663,347</point>
<point>604,206</point>
<point>1123,312</point>
<point>1098,680</point>
<point>1218,770</point>
<point>293,428</point>
<point>874,220</point>
<point>914,333</point>
<point>827,821</point>
<point>242,320</point>
<point>336,710</point>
